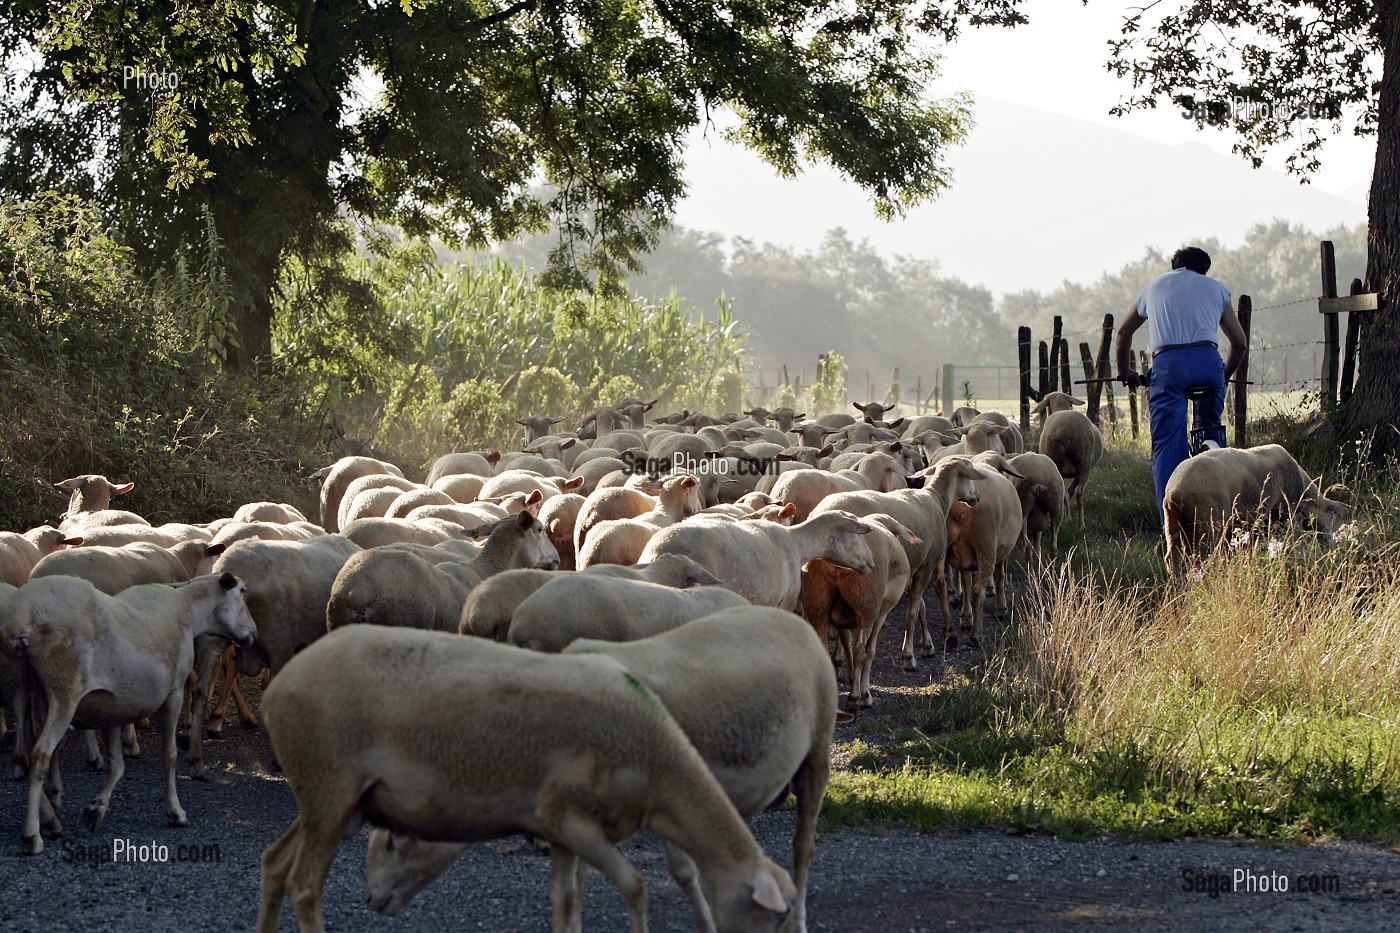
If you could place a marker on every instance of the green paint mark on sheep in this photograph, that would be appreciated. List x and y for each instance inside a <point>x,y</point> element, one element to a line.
<point>640,687</point>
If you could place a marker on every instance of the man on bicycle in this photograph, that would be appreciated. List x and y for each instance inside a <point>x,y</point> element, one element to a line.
<point>1183,309</point>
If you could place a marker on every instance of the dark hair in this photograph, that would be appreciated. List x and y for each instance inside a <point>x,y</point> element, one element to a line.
<point>1193,258</point>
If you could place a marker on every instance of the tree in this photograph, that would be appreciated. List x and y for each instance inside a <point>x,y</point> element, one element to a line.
<point>174,112</point>
<point>1274,72</point>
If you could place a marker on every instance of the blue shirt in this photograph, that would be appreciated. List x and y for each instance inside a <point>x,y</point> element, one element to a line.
<point>1182,307</point>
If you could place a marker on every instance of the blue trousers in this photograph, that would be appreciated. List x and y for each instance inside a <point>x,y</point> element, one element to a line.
<point>1173,372</point>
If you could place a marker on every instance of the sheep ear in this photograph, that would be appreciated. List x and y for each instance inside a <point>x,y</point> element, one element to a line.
<point>857,527</point>
<point>73,541</point>
<point>227,581</point>
<point>534,498</point>
<point>767,894</point>
<point>493,457</point>
<point>124,487</point>
<point>569,443</point>
<point>574,483</point>
<point>321,474</point>
<point>800,414</point>
<point>214,550</point>
<point>827,451</point>
<point>843,717</point>
<point>787,511</point>
<point>524,520</point>
<point>648,406</point>
<point>996,428</point>
<point>857,406</point>
<point>521,423</point>
<point>69,484</point>
<point>784,458</point>
<point>896,423</point>
<point>1077,401</point>
<point>555,420</point>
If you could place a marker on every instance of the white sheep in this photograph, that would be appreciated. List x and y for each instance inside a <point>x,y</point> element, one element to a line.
<point>113,569</point>
<point>337,477</point>
<point>1043,503</point>
<point>88,503</point>
<point>279,512</point>
<point>559,515</point>
<point>595,759</point>
<point>377,532</point>
<point>621,541</point>
<point>393,586</point>
<point>107,661</point>
<point>1216,490</point>
<point>1071,440</point>
<point>470,462</point>
<point>460,487</point>
<point>805,489</point>
<point>762,561</point>
<point>491,606</point>
<point>588,605</point>
<point>20,552</point>
<point>923,511</point>
<point>981,537</point>
<point>779,735</point>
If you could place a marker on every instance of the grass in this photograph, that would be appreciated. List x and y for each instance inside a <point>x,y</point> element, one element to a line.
<point>1260,699</point>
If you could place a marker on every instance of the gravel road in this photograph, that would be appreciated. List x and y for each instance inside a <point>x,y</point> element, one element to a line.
<point>898,881</point>
<point>895,882</point>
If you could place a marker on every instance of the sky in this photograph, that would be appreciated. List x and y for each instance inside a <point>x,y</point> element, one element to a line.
<point>1049,187</point>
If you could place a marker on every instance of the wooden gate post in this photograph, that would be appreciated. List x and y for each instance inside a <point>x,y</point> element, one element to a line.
<point>1057,346</point>
<point>1241,413</point>
<point>948,393</point>
<point>1329,329</point>
<point>1092,393</point>
<point>1044,381</point>
<point>1023,346</point>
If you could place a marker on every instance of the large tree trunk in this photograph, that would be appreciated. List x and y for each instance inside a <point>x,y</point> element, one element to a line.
<point>1374,408</point>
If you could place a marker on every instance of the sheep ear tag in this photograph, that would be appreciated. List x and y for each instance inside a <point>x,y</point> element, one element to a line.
<point>766,893</point>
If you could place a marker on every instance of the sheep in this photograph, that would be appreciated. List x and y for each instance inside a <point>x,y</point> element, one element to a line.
<point>866,433</point>
<point>1042,492</point>
<point>963,416</point>
<point>279,512</point>
<point>762,561</point>
<point>805,489</point>
<point>338,476</point>
<point>1209,493</point>
<point>858,604</point>
<point>981,537</point>
<point>491,606</point>
<point>389,586</point>
<point>130,533</point>
<point>621,541</point>
<point>232,533</point>
<point>1053,402</point>
<point>377,532</point>
<point>784,417</point>
<point>559,515</point>
<point>1011,439</point>
<point>289,586</point>
<point>586,605</point>
<point>607,504</point>
<point>978,437</point>
<point>622,441</point>
<point>91,493</point>
<point>536,426</point>
<point>113,569</point>
<point>794,713</point>
<point>107,661</point>
<point>872,412</point>
<point>552,448</point>
<point>521,462</point>
<point>923,511</point>
<point>814,434</point>
<point>19,553</point>
<point>467,516</point>
<point>471,462</point>
<point>503,484</point>
<point>369,496</point>
<point>924,423</point>
<point>598,759</point>
<point>1071,440</point>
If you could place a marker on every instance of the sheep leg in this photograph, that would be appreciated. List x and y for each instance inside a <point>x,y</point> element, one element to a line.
<point>55,725</point>
<point>229,675</point>
<point>969,595</point>
<point>277,861</point>
<point>809,785</point>
<point>206,661</point>
<point>245,715</point>
<point>871,642</point>
<point>169,718</point>
<point>307,878</point>
<point>916,615</point>
<point>131,745</point>
<point>978,595</point>
<point>585,839</point>
<point>940,586</point>
<point>95,812</point>
<point>566,876</point>
<point>688,877</point>
<point>93,753</point>
<point>999,578</point>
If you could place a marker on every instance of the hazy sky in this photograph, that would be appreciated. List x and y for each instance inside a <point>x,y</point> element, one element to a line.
<point>1049,187</point>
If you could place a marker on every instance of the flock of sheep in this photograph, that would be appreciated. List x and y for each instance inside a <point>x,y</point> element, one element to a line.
<point>644,653</point>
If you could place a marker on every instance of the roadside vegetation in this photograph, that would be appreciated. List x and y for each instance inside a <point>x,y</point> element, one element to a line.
<point>1260,699</point>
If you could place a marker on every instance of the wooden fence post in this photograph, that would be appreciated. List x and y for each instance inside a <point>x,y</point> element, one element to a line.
<point>1349,353</point>
<point>1023,346</point>
<point>1066,386</point>
<point>1133,399</point>
<point>1241,416</point>
<point>948,394</point>
<point>1044,380</point>
<point>1143,361</point>
<point>1102,388</point>
<point>1092,388</point>
<point>1330,348</point>
<point>1057,341</point>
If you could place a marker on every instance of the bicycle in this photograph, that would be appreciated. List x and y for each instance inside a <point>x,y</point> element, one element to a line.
<point>1197,396</point>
